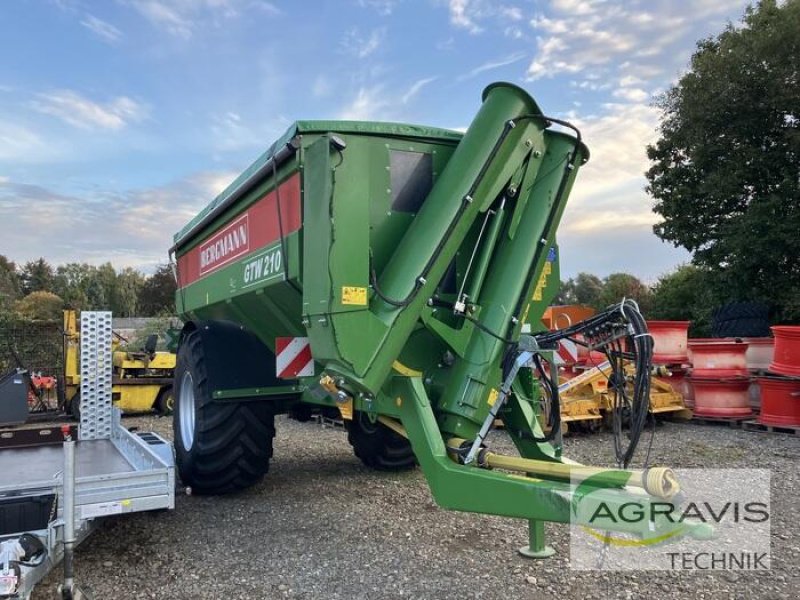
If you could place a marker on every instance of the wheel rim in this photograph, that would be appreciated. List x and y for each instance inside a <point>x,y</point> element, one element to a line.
<point>186,411</point>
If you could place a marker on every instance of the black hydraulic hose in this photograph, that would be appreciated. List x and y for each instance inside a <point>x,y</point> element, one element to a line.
<point>284,257</point>
<point>554,418</point>
<point>624,315</point>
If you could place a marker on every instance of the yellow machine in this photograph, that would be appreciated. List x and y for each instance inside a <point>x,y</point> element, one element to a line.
<point>587,398</point>
<point>142,380</point>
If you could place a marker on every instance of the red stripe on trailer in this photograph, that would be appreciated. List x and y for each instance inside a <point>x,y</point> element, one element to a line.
<point>568,351</point>
<point>293,357</point>
<point>247,232</point>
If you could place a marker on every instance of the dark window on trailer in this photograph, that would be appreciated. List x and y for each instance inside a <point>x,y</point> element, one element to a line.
<point>411,179</point>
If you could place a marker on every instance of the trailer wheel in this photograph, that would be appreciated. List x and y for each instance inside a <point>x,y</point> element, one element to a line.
<point>220,447</point>
<point>301,412</point>
<point>377,446</point>
<point>75,406</point>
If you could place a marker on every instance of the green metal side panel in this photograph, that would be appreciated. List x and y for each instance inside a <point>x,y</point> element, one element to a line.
<point>317,218</point>
<point>366,128</point>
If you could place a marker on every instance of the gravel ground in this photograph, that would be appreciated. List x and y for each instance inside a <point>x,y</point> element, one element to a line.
<point>323,526</point>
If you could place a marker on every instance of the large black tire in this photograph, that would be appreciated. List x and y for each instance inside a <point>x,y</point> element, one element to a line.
<point>377,446</point>
<point>220,447</point>
<point>741,319</point>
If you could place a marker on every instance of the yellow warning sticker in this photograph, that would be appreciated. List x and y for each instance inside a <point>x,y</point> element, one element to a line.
<point>492,397</point>
<point>356,296</point>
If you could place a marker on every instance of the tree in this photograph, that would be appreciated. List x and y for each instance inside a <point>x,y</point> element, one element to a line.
<point>10,287</point>
<point>586,289</point>
<point>623,285</point>
<point>37,276</point>
<point>96,295</point>
<point>40,306</point>
<point>157,295</point>
<point>127,287</point>
<point>566,292</point>
<point>685,294</point>
<point>71,281</point>
<point>725,173</point>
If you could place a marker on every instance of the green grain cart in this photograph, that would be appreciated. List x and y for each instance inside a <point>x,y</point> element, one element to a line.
<point>399,273</point>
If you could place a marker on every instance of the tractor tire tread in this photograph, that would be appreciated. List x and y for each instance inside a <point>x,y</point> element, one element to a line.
<point>232,441</point>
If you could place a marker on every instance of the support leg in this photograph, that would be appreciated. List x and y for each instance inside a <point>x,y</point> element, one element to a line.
<point>536,547</point>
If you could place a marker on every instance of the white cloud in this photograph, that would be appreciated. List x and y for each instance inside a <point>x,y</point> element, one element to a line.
<point>103,29</point>
<point>321,87</point>
<point>355,44</point>
<point>469,14</point>
<point>630,80</point>
<point>231,132</point>
<point>166,17</point>
<point>79,111</point>
<point>512,13</point>
<point>369,104</point>
<point>415,89</point>
<point>182,18</point>
<point>20,144</point>
<point>4,179</point>
<point>383,7</point>
<point>462,16</point>
<point>631,94</point>
<point>138,236</point>
<point>613,179</point>
<point>607,224</point>
<point>589,35</point>
<point>493,64</point>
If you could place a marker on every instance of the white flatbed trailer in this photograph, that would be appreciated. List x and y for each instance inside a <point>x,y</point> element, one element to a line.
<point>54,489</point>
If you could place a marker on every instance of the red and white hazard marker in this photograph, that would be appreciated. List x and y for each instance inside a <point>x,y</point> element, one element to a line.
<point>293,357</point>
<point>567,352</point>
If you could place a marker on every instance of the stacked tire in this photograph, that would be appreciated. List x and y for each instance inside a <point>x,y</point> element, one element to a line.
<point>740,319</point>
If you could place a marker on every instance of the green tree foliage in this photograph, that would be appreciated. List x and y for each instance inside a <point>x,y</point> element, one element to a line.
<point>10,286</point>
<point>623,285</point>
<point>587,289</point>
<point>725,173</point>
<point>685,295</point>
<point>157,294</point>
<point>36,276</point>
<point>127,287</point>
<point>590,290</point>
<point>40,306</point>
<point>566,292</point>
<point>584,288</point>
<point>81,286</point>
<point>71,282</point>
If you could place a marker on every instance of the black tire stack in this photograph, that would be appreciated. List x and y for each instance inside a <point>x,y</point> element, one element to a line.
<point>741,319</point>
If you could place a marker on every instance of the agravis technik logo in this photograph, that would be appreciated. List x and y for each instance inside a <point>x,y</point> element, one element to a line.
<point>719,520</point>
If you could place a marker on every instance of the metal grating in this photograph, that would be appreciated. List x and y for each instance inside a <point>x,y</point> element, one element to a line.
<point>96,366</point>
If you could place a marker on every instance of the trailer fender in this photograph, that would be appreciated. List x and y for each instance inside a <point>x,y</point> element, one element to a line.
<point>239,364</point>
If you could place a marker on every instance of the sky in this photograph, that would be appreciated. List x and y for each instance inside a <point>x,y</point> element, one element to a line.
<point>121,119</point>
